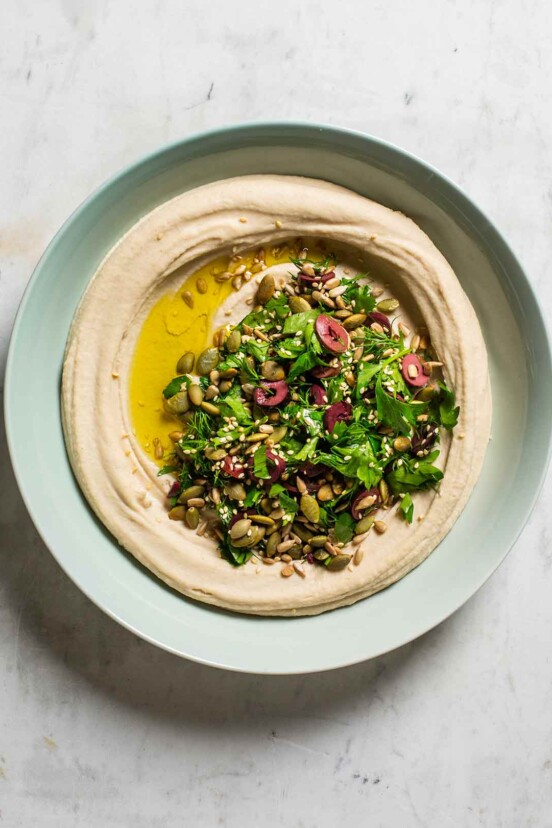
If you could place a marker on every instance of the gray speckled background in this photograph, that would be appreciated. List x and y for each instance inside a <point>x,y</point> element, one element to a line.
<point>98,728</point>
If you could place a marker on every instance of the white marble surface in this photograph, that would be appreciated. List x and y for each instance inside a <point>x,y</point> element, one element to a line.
<point>98,728</point>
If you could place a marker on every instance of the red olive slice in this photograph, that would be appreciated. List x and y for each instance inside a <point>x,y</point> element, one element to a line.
<point>423,438</point>
<point>321,278</point>
<point>357,513</point>
<point>317,395</point>
<point>331,334</point>
<point>309,469</point>
<point>325,371</point>
<point>174,491</point>
<point>339,412</point>
<point>380,318</point>
<point>271,394</point>
<point>233,467</point>
<point>413,371</point>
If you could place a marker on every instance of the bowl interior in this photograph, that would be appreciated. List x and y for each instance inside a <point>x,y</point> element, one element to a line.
<point>520,371</point>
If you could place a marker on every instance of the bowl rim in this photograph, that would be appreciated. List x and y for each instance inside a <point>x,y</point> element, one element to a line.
<point>469,208</point>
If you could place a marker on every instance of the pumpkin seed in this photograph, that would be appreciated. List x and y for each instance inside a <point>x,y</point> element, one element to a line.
<point>192,517</point>
<point>178,403</point>
<point>338,562</point>
<point>321,555</point>
<point>215,453</point>
<point>233,342</point>
<point>364,525</point>
<point>264,520</point>
<point>199,502</point>
<point>266,505</point>
<point>387,305</point>
<point>318,541</point>
<point>298,305</point>
<point>177,513</point>
<point>325,493</point>
<point>266,289</point>
<point>207,361</point>
<point>201,286</point>
<point>401,444</point>
<point>235,491</point>
<point>384,490</point>
<point>249,539</point>
<point>240,528</point>
<point>274,540</point>
<point>302,532</point>
<point>225,386</point>
<point>278,434</point>
<point>185,364</point>
<point>230,373</point>
<point>188,298</point>
<point>272,371</point>
<point>354,321</point>
<point>257,437</point>
<point>195,393</point>
<point>310,508</point>
<point>428,392</point>
<point>209,408</point>
<point>191,491</point>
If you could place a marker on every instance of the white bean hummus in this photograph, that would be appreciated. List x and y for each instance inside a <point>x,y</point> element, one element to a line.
<point>121,482</point>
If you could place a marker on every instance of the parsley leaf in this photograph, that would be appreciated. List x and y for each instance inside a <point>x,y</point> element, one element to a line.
<point>448,412</point>
<point>407,507</point>
<point>408,478</point>
<point>344,527</point>
<point>299,321</point>
<point>174,386</point>
<point>394,413</point>
<point>260,465</point>
<point>232,406</point>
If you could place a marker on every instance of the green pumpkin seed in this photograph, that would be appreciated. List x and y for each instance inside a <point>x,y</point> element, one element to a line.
<point>233,342</point>
<point>178,403</point>
<point>214,453</point>
<point>209,408</point>
<point>321,555</point>
<point>278,434</point>
<point>387,305</point>
<point>235,491</point>
<point>384,490</point>
<point>195,393</point>
<point>325,493</point>
<point>318,540</point>
<point>401,444</point>
<point>298,305</point>
<point>207,361</point>
<point>429,392</point>
<point>266,289</point>
<point>272,371</point>
<point>338,562</point>
<point>264,520</point>
<point>177,513</point>
<point>202,286</point>
<point>295,553</point>
<point>274,540</point>
<point>266,505</point>
<point>302,532</point>
<point>248,540</point>
<point>230,373</point>
<point>192,517</point>
<point>185,364</point>
<point>310,508</point>
<point>354,321</point>
<point>190,492</point>
<point>364,525</point>
<point>240,528</point>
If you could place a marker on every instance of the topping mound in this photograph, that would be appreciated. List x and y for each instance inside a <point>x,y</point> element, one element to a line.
<point>309,421</point>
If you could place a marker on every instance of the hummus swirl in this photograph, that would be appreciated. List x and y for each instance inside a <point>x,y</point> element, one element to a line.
<point>120,481</point>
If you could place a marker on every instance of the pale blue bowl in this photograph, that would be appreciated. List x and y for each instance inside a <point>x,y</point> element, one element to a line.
<point>521,384</point>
